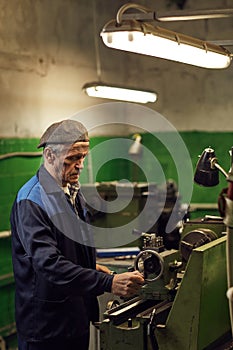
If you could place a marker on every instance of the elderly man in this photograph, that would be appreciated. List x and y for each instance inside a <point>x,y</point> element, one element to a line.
<point>56,277</point>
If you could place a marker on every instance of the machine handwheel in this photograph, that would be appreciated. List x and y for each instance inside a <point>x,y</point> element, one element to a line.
<point>149,262</point>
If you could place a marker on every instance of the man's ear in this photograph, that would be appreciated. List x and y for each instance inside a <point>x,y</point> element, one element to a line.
<point>49,155</point>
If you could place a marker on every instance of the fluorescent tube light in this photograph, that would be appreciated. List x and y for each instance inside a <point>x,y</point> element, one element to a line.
<point>140,37</point>
<point>98,89</point>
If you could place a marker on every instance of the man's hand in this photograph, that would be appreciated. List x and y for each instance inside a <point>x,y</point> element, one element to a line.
<point>127,284</point>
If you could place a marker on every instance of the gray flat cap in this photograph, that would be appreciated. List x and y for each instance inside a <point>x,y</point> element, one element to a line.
<point>66,131</point>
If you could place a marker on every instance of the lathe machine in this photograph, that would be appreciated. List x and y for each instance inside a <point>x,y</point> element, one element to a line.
<point>183,304</point>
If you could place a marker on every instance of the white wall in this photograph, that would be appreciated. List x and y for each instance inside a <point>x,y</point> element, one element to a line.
<point>47,53</point>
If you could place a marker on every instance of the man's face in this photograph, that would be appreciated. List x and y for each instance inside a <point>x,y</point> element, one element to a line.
<point>70,162</point>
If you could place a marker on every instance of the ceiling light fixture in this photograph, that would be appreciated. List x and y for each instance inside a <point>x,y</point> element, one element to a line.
<point>99,89</point>
<point>109,91</point>
<point>133,33</point>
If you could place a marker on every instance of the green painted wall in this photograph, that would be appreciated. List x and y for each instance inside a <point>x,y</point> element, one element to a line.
<point>15,171</point>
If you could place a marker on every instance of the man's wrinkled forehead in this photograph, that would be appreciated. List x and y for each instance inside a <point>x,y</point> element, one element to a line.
<point>79,146</point>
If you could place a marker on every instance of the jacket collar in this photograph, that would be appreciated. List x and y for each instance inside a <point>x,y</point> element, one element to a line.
<point>47,181</point>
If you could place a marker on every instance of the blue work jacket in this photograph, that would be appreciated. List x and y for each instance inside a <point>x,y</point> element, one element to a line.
<point>53,254</point>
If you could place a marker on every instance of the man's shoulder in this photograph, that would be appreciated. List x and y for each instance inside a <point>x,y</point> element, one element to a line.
<point>30,190</point>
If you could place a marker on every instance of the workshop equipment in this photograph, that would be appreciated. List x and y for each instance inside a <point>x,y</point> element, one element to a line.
<point>161,200</point>
<point>206,174</point>
<point>183,304</point>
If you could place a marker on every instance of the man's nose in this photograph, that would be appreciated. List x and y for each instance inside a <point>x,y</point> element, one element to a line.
<point>80,163</point>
